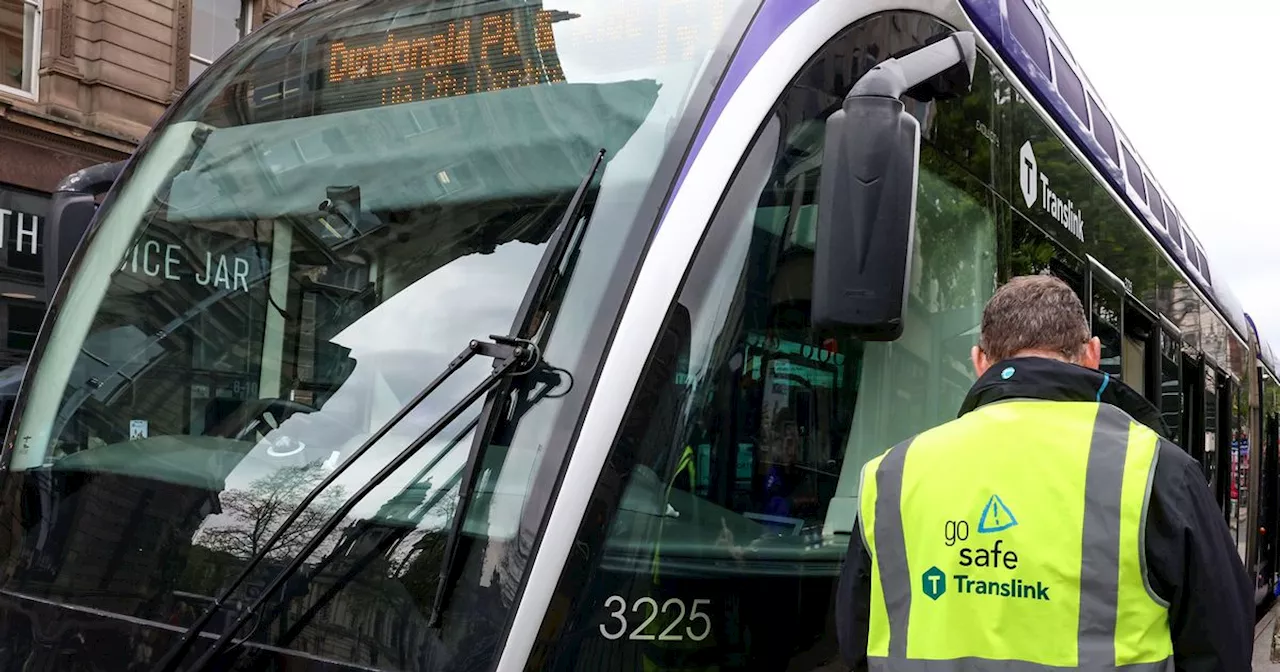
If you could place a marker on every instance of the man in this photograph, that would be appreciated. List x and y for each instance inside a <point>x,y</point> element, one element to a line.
<point>1049,524</point>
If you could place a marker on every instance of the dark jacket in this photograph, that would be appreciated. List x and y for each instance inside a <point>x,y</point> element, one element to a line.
<point>1191,557</point>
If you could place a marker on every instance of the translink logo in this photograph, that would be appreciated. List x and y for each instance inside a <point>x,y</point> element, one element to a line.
<point>1013,589</point>
<point>1035,187</point>
<point>1028,174</point>
<point>935,583</point>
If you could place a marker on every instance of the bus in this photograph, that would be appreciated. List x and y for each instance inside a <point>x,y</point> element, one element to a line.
<point>553,334</point>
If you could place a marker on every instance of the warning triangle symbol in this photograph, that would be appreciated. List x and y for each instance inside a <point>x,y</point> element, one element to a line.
<point>996,516</point>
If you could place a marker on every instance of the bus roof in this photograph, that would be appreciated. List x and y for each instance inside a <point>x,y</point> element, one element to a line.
<point>1021,32</point>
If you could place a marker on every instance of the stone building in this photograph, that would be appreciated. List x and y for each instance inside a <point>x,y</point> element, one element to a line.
<point>81,82</point>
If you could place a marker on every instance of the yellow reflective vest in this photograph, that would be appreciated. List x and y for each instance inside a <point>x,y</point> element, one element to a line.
<point>1012,539</point>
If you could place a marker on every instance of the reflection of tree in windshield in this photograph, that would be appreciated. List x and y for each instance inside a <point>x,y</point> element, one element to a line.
<point>257,511</point>
<point>389,562</point>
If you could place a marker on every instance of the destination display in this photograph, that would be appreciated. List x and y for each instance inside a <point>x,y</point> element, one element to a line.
<point>486,52</point>
<point>437,54</point>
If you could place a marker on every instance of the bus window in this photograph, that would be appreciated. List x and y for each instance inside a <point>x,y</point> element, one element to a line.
<point>1105,314</point>
<point>1032,252</point>
<point>1133,363</point>
<point>1210,411</point>
<point>1240,470</point>
<point>1171,384</point>
<point>1141,354</point>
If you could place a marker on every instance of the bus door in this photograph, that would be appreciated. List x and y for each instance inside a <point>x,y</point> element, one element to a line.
<point>1239,443</point>
<point>1230,458</point>
<point>1140,350</point>
<point>1193,396</point>
<point>1172,400</point>
<point>1106,316</point>
<point>1217,413</point>
<point>1268,524</point>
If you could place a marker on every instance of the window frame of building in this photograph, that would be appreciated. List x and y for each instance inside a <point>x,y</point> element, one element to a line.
<point>195,60</point>
<point>31,53</point>
<point>37,309</point>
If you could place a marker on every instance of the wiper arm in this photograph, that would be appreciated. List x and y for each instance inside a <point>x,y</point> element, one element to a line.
<point>549,378</point>
<point>546,283</point>
<point>508,352</point>
<point>528,320</point>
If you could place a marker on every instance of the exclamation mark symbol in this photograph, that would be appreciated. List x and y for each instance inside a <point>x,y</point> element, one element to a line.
<point>996,508</point>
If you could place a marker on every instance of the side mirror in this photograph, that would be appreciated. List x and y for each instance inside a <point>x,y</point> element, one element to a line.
<point>70,211</point>
<point>867,193</point>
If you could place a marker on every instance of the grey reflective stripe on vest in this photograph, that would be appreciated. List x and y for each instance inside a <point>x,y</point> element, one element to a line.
<point>875,664</point>
<point>1100,553</point>
<point>1099,563</point>
<point>891,548</point>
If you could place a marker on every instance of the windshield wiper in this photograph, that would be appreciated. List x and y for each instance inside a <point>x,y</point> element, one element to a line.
<point>546,378</point>
<point>552,269</point>
<point>509,351</point>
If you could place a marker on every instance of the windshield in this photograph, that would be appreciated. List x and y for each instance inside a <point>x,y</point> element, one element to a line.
<point>327,219</point>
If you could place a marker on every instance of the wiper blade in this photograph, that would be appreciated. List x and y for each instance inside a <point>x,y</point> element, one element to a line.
<point>546,283</point>
<point>508,352</point>
<point>528,320</point>
<point>546,377</point>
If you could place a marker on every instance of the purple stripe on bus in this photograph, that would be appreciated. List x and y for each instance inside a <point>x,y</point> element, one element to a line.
<point>769,22</point>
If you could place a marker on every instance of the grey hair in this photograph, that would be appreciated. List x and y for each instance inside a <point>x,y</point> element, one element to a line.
<point>1034,312</point>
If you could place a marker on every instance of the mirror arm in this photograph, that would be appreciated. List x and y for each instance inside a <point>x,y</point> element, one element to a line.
<point>71,210</point>
<point>896,76</point>
<point>92,180</point>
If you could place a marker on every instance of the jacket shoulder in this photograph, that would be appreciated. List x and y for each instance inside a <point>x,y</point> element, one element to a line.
<point>1173,462</point>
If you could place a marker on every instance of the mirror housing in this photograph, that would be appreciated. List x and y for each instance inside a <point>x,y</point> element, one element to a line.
<point>71,211</point>
<point>867,193</point>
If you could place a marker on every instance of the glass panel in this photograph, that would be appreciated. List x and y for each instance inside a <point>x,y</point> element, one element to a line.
<point>24,324</point>
<point>1133,174</point>
<point>1134,363</point>
<point>1193,254</point>
<point>298,253</point>
<point>1175,230</point>
<point>1106,313</point>
<point>18,44</point>
<point>1027,30</point>
<point>1103,131</point>
<point>1157,203</point>
<point>1034,253</point>
<point>1171,384</point>
<point>215,26</point>
<point>195,69</point>
<point>1268,480</point>
<point>1211,428</point>
<point>739,459</point>
<point>1240,471</point>
<point>1069,85</point>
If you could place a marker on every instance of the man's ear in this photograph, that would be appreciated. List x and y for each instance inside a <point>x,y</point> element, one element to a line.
<point>980,361</point>
<point>1091,354</point>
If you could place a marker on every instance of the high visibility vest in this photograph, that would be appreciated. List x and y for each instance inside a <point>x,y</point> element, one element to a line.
<point>1012,539</point>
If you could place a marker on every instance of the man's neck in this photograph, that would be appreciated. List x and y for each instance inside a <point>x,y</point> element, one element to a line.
<point>1045,354</point>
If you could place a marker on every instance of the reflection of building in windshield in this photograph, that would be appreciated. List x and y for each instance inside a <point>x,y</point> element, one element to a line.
<point>142,519</point>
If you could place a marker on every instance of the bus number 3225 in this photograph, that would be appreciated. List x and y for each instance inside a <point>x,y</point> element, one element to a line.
<point>668,634</point>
